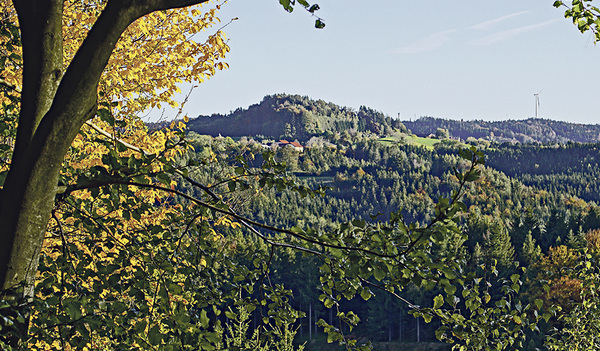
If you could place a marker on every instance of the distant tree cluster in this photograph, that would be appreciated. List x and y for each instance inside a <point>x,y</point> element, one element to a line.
<point>530,130</point>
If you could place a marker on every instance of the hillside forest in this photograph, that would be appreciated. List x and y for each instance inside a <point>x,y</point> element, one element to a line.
<point>533,210</point>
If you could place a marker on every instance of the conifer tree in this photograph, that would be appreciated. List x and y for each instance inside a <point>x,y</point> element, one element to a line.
<point>531,252</point>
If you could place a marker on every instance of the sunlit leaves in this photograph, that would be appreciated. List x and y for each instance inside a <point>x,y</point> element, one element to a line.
<point>584,14</point>
<point>102,276</point>
<point>10,76</point>
<point>154,56</point>
<point>579,328</point>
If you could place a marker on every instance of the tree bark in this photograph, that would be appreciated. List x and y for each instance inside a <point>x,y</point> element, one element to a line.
<point>41,34</point>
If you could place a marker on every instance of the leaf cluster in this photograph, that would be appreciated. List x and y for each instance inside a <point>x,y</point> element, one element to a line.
<point>584,14</point>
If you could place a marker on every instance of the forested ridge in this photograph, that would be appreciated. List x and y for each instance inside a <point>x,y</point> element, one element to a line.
<point>570,168</point>
<point>293,116</point>
<point>300,117</point>
<point>523,131</point>
<point>533,203</point>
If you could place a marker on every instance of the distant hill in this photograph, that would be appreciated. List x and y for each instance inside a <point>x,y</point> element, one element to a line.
<point>294,117</point>
<point>283,116</point>
<point>523,131</point>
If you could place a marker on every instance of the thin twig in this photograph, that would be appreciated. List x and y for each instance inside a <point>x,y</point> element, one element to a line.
<point>390,292</point>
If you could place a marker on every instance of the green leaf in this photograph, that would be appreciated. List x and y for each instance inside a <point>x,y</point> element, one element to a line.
<point>175,288</point>
<point>328,303</point>
<point>539,303</point>
<point>473,176</point>
<point>140,326</point>
<point>438,301</point>
<point>466,154</point>
<point>517,319</point>
<point>439,333</point>
<point>359,223</point>
<point>379,273</point>
<point>73,310</point>
<point>297,230</point>
<point>546,316</point>
<point>286,5</point>
<point>365,294</point>
<point>450,289</point>
<point>154,335</point>
<point>487,297</point>
<point>132,162</point>
<point>204,320</point>
<point>164,178</point>
<point>3,175</point>
<point>337,253</point>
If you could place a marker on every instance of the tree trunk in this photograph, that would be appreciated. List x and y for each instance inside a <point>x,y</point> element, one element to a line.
<point>25,201</point>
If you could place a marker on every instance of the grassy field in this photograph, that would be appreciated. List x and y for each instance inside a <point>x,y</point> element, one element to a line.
<point>426,142</point>
<point>388,140</point>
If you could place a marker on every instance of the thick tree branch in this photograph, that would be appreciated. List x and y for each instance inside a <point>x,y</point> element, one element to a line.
<point>76,94</point>
<point>158,5</point>
<point>42,43</point>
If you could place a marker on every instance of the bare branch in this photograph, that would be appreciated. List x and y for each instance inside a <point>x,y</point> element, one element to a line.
<point>380,287</point>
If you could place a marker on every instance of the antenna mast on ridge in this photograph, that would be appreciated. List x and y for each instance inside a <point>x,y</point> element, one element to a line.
<point>537,104</point>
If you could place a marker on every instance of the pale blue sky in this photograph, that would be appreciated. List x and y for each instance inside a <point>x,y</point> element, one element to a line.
<point>471,59</point>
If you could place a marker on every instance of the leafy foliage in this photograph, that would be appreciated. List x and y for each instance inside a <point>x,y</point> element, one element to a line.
<point>579,328</point>
<point>584,14</point>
